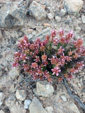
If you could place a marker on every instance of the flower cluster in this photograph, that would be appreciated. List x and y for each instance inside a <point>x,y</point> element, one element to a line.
<point>56,56</point>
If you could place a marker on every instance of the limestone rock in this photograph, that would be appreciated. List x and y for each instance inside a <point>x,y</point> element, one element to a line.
<point>49,109</point>
<point>10,101</point>
<point>2,96</point>
<point>83,19</point>
<point>36,106</point>
<point>73,108</point>
<point>50,16</point>
<point>1,111</point>
<point>58,19</point>
<point>63,97</point>
<point>43,88</point>
<point>73,6</point>
<point>43,34</point>
<point>17,109</point>
<point>27,103</point>
<point>37,11</point>
<point>62,12</point>
<point>21,95</point>
<point>11,16</point>
<point>13,73</point>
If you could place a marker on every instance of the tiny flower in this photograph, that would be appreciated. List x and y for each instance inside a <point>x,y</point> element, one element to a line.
<point>44,57</point>
<point>60,79</point>
<point>70,53</point>
<point>34,65</point>
<point>78,43</point>
<point>60,50</point>
<point>53,34</point>
<point>68,59</point>
<point>47,37</point>
<point>75,56</point>
<point>61,33</point>
<point>42,48</point>
<point>49,79</point>
<point>56,71</point>
<point>72,70</point>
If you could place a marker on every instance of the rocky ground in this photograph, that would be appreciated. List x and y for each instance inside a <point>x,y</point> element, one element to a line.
<point>18,93</point>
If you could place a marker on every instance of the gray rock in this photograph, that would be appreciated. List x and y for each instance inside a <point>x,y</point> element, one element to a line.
<point>10,101</point>
<point>43,88</point>
<point>36,106</point>
<point>13,73</point>
<point>62,12</point>
<point>50,16</point>
<point>37,11</point>
<point>73,6</point>
<point>12,16</point>
<point>63,97</point>
<point>1,102</point>
<point>58,18</point>
<point>1,111</point>
<point>83,19</point>
<point>73,108</point>
<point>2,96</point>
<point>21,95</point>
<point>27,103</point>
<point>17,109</point>
<point>43,34</point>
<point>49,109</point>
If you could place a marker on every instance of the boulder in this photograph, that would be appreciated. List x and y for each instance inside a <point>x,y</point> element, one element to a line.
<point>27,103</point>
<point>37,11</point>
<point>10,101</point>
<point>21,95</point>
<point>12,16</point>
<point>83,19</point>
<point>44,89</point>
<point>73,6</point>
<point>17,109</point>
<point>36,106</point>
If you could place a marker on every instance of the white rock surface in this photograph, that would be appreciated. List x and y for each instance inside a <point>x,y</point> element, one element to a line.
<point>74,108</point>
<point>62,12</point>
<point>27,103</point>
<point>2,96</point>
<point>17,109</point>
<point>63,97</point>
<point>10,101</point>
<point>73,5</point>
<point>58,19</point>
<point>13,73</point>
<point>83,19</point>
<point>1,102</point>
<point>50,16</point>
<point>43,88</point>
<point>37,11</point>
<point>49,109</point>
<point>1,111</point>
<point>21,95</point>
<point>36,106</point>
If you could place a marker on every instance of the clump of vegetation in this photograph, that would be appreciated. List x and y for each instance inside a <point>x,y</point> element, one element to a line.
<point>56,56</point>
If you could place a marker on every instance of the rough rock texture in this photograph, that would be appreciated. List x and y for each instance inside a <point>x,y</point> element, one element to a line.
<point>17,109</point>
<point>36,106</point>
<point>10,101</point>
<point>11,16</point>
<point>37,11</point>
<point>73,5</point>
<point>43,88</point>
<point>27,103</point>
<point>13,73</point>
<point>21,95</point>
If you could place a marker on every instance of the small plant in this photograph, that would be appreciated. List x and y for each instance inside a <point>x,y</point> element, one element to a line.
<point>56,56</point>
